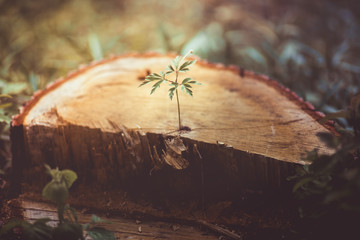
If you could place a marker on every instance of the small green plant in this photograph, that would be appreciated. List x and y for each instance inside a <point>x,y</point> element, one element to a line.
<point>57,190</point>
<point>177,66</point>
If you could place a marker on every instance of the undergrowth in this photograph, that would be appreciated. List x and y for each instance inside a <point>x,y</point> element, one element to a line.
<point>68,226</point>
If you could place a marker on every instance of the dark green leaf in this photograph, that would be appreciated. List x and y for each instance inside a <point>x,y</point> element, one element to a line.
<point>186,64</point>
<point>171,92</point>
<point>184,70</point>
<point>156,86</point>
<point>143,83</point>
<point>162,75</point>
<point>195,82</point>
<point>188,91</point>
<point>153,76</point>
<point>69,231</point>
<point>169,69</point>
<point>186,80</point>
<point>153,90</point>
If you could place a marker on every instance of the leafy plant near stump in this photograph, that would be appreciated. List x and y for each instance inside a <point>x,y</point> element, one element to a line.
<point>177,66</point>
<point>57,190</point>
<point>328,189</point>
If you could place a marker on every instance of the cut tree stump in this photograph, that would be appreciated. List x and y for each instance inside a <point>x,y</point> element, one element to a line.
<point>247,132</point>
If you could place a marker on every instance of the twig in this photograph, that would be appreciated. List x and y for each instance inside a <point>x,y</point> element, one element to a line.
<point>218,229</point>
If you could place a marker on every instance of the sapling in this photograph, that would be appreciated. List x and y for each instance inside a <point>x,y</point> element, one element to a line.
<point>177,65</point>
<point>57,190</point>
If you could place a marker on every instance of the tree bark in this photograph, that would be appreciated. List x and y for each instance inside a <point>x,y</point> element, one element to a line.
<point>247,131</point>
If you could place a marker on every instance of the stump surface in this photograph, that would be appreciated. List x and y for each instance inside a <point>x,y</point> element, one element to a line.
<point>247,112</point>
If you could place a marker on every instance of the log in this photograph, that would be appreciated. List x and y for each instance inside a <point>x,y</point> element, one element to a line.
<point>123,228</point>
<point>245,131</point>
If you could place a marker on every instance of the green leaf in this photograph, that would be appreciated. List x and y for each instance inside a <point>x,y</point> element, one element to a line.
<point>184,70</point>
<point>186,64</point>
<point>195,82</point>
<point>153,90</point>
<point>176,61</point>
<point>99,233</point>
<point>170,69</point>
<point>162,73</point>
<point>153,76</point>
<point>156,86</point>
<point>171,92</point>
<point>69,177</point>
<point>96,219</point>
<point>188,91</point>
<point>144,83</point>
<point>186,80</point>
<point>157,75</point>
<point>56,192</point>
<point>95,47</point>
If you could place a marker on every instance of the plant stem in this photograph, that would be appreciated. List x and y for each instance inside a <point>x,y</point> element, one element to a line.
<point>61,209</point>
<point>178,106</point>
<point>177,98</point>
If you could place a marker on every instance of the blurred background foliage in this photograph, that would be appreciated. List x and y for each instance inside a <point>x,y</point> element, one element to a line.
<point>312,47</point>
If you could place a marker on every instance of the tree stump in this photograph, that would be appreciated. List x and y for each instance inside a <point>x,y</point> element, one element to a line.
<point>247,131</point>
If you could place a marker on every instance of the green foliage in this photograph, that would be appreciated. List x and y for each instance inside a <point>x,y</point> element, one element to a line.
<point>95,47</point>
<point>352,114</point>
<point>178,64</point>
<point>68,230</point>
<point>39,230</point>
<point>174,67</point>
<point>57,190</point>
<point>328,190</point>
<point>97,232</point>
<point>4,104</point>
